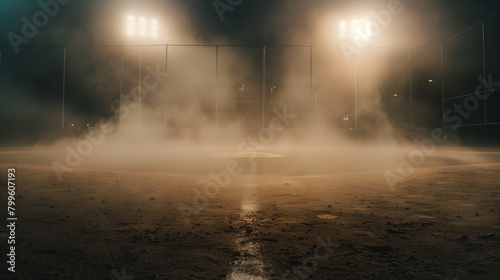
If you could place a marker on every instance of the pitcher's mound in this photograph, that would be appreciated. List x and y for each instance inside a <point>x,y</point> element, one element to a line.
<point>245,155</point>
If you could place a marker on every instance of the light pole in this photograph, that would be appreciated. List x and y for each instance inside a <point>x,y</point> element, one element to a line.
<point>359,31</point>
<point>145,30</point>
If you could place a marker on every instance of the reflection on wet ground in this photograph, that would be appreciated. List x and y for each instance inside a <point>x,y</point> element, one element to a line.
<point>248,264</point>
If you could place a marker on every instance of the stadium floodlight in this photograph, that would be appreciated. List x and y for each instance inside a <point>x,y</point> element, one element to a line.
<point>141,27</point>
<point>360,30</point>
<point>143,30</point>
<point>131,25</point>
<point>154,28</point>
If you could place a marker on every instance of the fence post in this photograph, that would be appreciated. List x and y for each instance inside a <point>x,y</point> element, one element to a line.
<point>166,85</point>
<point>484,70</point>
<point>356,94</point>
<point>216,86</point>
<point>311,94</point>
<point>263,85</point>
<point>442,81</point>
<point>63,86</point>
<point>121,84</point>
<point>410,86</point>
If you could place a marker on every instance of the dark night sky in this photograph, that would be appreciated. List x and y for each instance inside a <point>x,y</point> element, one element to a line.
<point>251,22</point>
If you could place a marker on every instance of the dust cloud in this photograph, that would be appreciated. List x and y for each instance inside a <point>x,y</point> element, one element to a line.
<point>317,117</point>
<point>318,110</point>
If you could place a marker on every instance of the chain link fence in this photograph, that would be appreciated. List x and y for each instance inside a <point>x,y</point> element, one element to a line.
<point>218,87</point>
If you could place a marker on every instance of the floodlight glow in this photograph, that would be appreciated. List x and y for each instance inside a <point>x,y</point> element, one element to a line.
<point>142,27</point>
<point>359,30</point>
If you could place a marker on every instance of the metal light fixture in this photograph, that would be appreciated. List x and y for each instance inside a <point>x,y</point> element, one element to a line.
<point>360,30</point>
<point>142,27</point>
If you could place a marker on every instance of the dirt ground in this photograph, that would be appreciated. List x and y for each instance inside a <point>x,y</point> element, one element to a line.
<point>441,223</point>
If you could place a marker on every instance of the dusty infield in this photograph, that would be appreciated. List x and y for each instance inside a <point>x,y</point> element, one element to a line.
<point>442,223</point>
